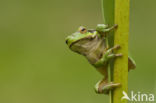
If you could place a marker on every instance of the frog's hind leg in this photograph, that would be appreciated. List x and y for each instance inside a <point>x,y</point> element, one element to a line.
<point>103,87</point>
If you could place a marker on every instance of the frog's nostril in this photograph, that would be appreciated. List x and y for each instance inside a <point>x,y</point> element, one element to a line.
<point>66,41</point>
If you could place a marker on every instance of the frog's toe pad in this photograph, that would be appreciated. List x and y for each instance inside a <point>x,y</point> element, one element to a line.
<point>116,26</point>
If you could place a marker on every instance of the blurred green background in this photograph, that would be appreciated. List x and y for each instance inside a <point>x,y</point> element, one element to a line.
<point>36,66</point>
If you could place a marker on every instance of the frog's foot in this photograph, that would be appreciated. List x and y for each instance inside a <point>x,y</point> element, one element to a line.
<point>109,53</point>
<point>105,28</point>
<point>105,88</point>
<point>111,28</point>
<point>110,56</point>
<point>113,48</point>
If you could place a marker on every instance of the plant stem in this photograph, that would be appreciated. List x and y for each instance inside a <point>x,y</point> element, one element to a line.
<point>121,38</point>
<point>117,12</point>
<point>108,16</point>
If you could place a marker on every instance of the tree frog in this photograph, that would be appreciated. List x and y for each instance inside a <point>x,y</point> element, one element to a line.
<point>92,44</point>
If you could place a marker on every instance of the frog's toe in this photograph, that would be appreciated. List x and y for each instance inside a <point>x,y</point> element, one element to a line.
<point>117,47</point>
<point>115,26</point>
<point>119,55</point>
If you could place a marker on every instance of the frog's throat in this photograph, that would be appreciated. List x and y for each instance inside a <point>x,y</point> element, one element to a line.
<point>88,37</point>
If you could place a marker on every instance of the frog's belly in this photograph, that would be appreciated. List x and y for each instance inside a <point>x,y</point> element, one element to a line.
<point>102,70</point>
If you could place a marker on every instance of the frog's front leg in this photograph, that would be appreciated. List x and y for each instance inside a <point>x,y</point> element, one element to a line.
<point>104,28</point>
<point>107,55</point>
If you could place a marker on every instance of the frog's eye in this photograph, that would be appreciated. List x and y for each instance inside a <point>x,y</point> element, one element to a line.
<point>82,30</point>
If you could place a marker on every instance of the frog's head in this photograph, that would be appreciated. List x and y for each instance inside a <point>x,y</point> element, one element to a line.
<point>79,41</point>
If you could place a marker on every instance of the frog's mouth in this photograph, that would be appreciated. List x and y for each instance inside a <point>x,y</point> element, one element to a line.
<point>90,37</point>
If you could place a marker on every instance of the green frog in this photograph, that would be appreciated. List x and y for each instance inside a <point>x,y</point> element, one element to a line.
<point>92,43</point>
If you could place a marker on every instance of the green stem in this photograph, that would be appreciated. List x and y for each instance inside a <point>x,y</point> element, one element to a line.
<point>108,16</point>
<point>121,38</point>
<point>117,12</point>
